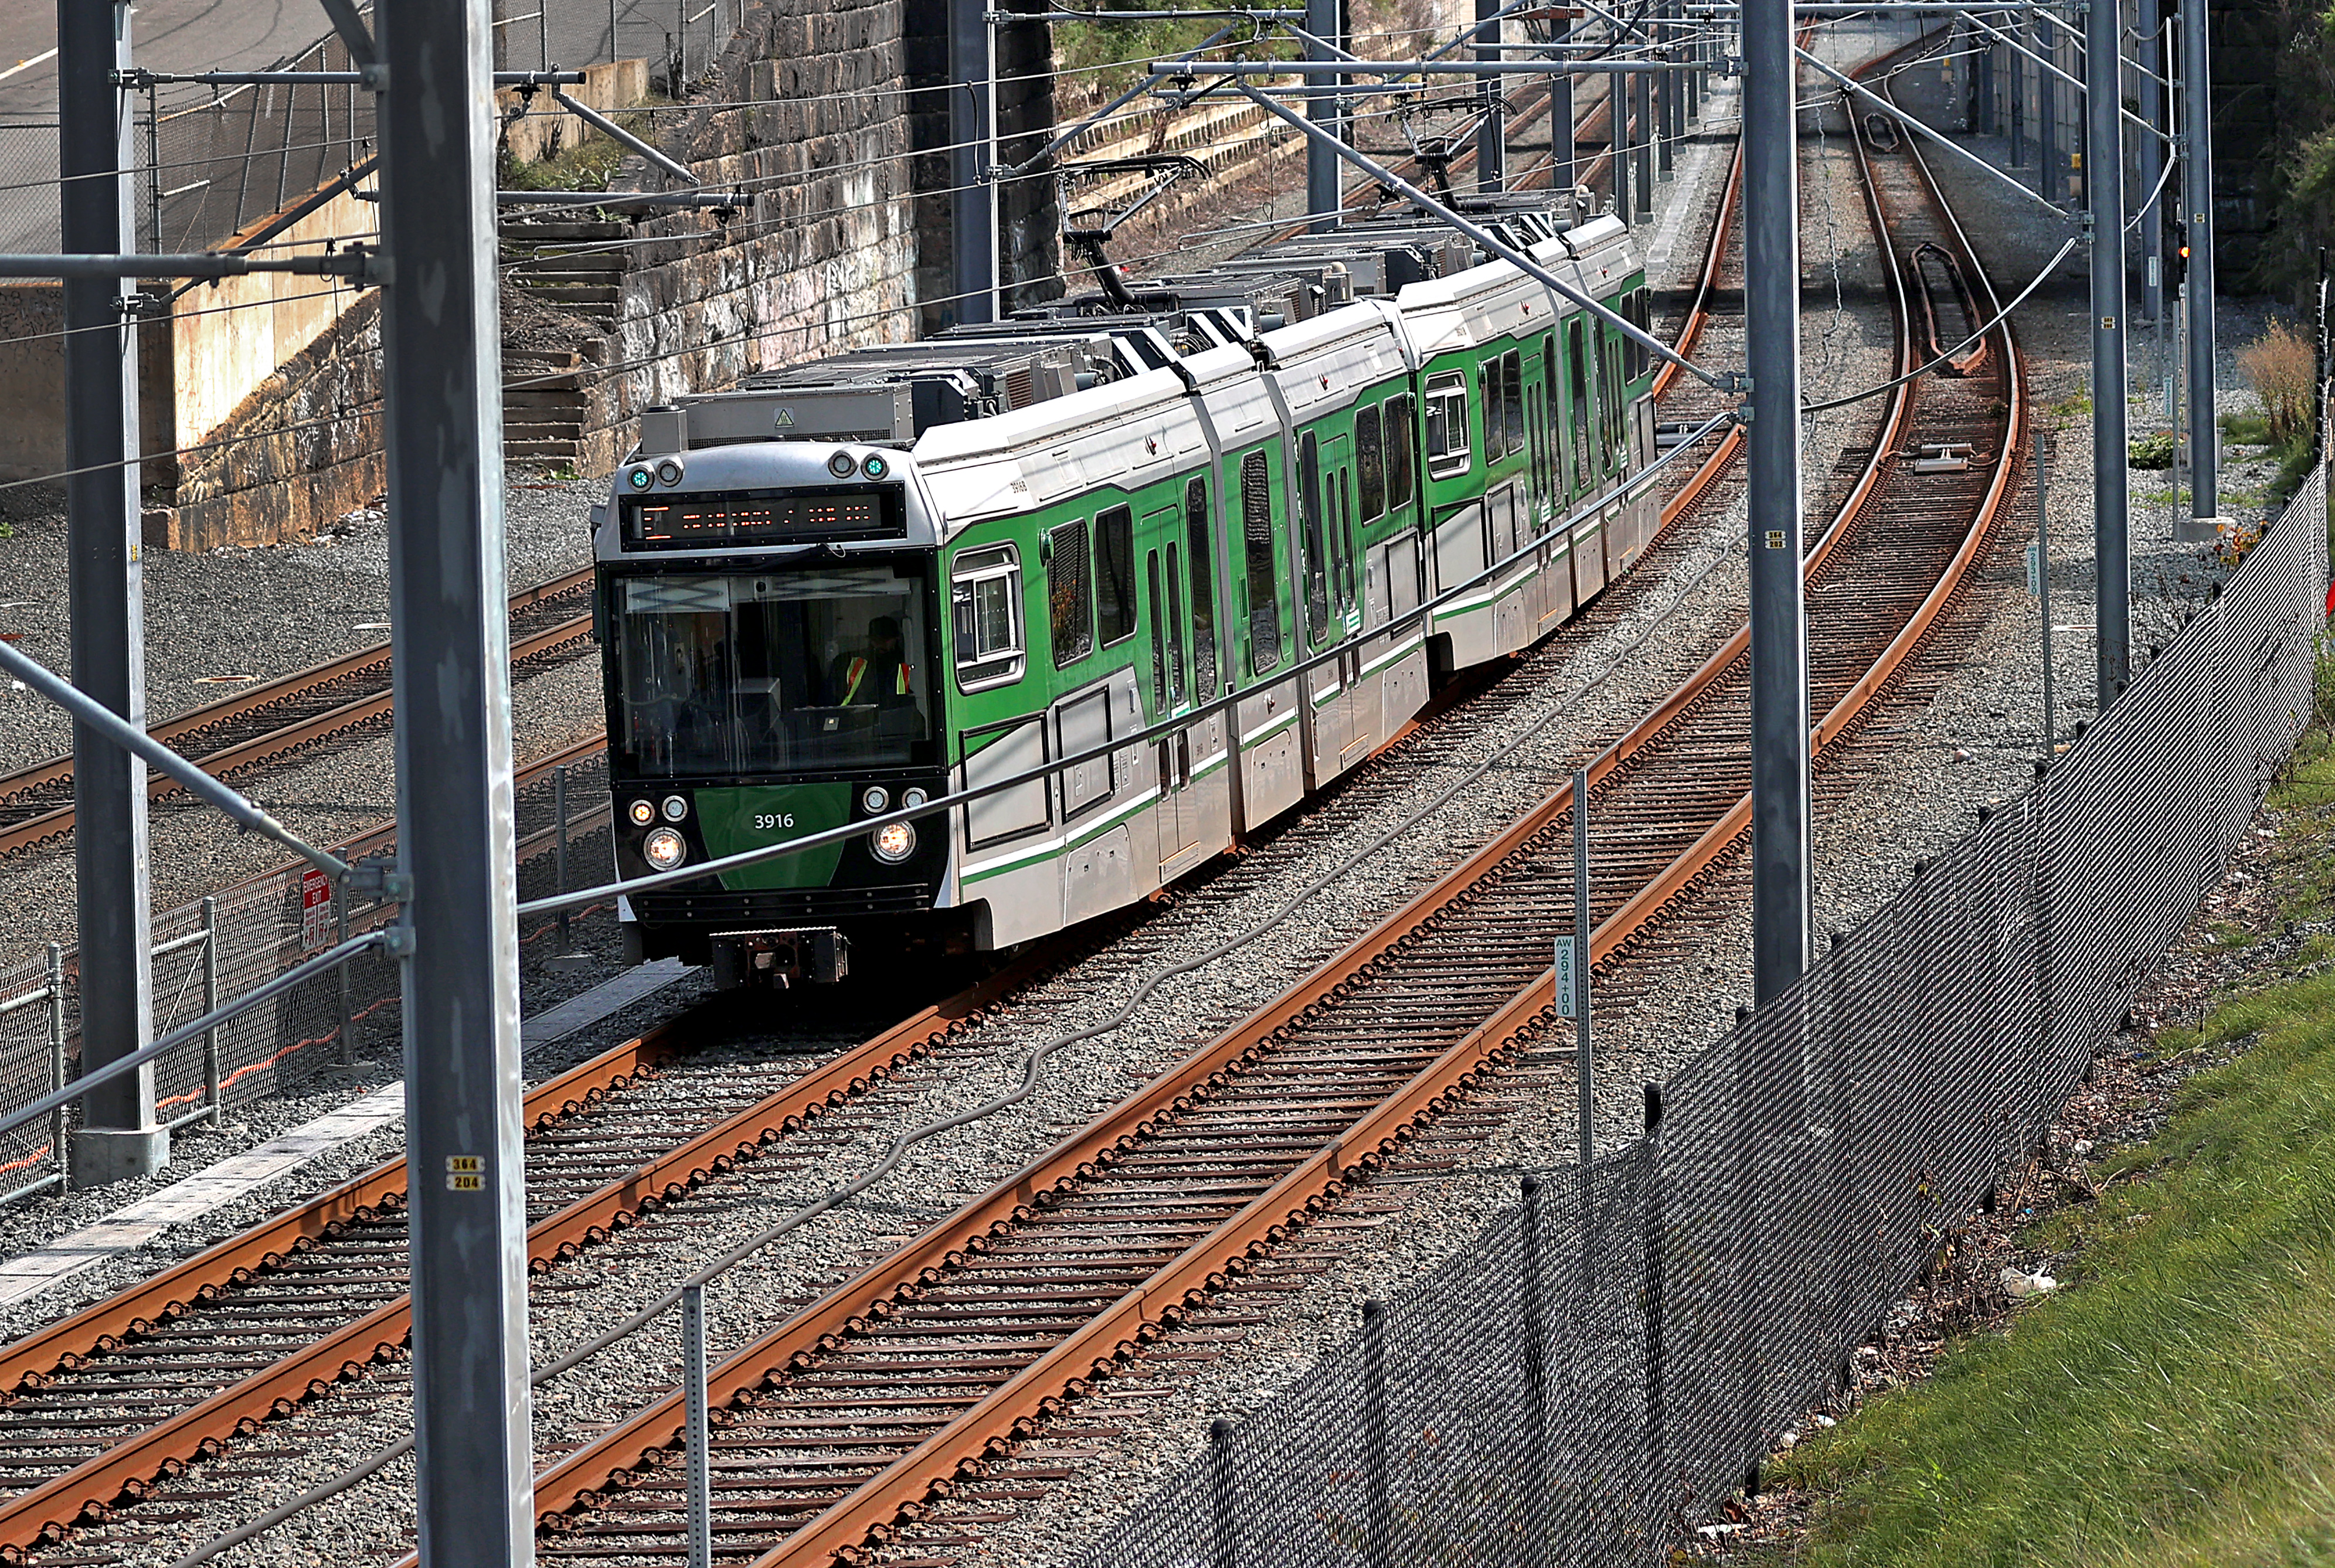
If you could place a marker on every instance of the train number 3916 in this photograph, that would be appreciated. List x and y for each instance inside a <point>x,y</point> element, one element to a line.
<point>774,820</point>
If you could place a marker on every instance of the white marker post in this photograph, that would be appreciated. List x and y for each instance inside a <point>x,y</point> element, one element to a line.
<point>1573,964</point>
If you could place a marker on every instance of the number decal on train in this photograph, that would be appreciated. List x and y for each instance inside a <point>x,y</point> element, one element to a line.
<point>767,819</point>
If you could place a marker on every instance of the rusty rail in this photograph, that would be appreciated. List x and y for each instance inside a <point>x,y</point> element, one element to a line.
<point>27,820</point>
<point>126,1471</point>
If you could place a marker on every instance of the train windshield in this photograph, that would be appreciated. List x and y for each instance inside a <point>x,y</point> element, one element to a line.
<point>813,668</point>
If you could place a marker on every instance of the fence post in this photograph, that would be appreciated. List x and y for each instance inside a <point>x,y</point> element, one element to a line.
<point>1657,1410</point>
<point>1223,1515</point>
<point>700,1436</point>
<point>341,924</point>
<point>1533,1327</point>
<point>211,1001</point>
<point>57,1065</point>
<point>1378,1524</point>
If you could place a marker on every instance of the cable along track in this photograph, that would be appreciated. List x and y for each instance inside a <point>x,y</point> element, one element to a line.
<point>548,622</point>
<point>849,1417</point>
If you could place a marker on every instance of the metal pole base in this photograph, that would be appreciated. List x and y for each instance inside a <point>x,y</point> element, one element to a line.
<point>102,1155</point>
<point>2188,530</point>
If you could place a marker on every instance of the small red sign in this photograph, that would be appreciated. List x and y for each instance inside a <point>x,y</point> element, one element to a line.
<point>317,925</point>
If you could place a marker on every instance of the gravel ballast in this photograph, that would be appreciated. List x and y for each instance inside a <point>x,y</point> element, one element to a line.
<point>1965,737</point>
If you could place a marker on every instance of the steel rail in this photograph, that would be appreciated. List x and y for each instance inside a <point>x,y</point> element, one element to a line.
<point>593,1477</point>
<point>364,667</point>
<point>126,1471</point>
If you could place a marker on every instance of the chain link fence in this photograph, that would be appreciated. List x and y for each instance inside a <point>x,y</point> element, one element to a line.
<point>215,162</point>
<point>208,951</point>
<point>1602,1364</point>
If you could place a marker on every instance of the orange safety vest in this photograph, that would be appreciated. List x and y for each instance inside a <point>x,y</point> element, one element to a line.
<point>858,671</point>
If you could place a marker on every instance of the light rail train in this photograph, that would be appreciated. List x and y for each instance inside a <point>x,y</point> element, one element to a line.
<point>859,584</point>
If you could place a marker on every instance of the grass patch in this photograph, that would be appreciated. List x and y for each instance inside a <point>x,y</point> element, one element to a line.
<point>2245,430</point>
<point>2173,1406</point>
<point>2079,407</point>
<point>2152,451</point>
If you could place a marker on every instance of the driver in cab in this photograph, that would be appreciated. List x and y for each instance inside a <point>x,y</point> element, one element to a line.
<point>878,676</point>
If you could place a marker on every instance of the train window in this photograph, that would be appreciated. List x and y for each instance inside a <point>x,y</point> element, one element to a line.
<point>1069,593</point>
<point>1447,424</point>
<point>1512,397</point>
<point>1609,397</point>
<point>1487,392</point>
<point>1204,589</point>
<point>1175,629</point>
<point>1401,438</point>
<point>1158,633</point>
<point>785,669</point>
<point>985,609</point>
<point>1346,532</point>
<point>1576,363</point>
<point>1309,501</point>
<point>1642,316</point>
<point>1115,575</point>
<point>1547,394</point>
<point>1371,459</point>
<point>1536,422</point>
<point>1256,530</point>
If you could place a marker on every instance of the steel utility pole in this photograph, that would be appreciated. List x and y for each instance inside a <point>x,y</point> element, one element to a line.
<point>2111,487</point>
<point>1324,195</point>
<point>1563,176</point>
<point>120,1136</point>
<point>2018,85</point>
<point>2151,95</point>
<point>1617,137</point>
<point>2197,223</point>
<point>1492,133</point>
<point>972,216</point>
<point>2050,181</point>
<point>1779,622</point>
<point>451,645</point>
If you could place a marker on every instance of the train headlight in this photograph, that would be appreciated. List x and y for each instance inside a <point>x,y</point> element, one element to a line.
<point>842,465</point>
<point>669,472</point>
<point>642,812</point>
<point>913,798</point>
<point>873,799</point>
<point>675,808</point>
<point>665,849</point>
<point>875,467</point>
<point>893,843</point>
<point>640,478</point>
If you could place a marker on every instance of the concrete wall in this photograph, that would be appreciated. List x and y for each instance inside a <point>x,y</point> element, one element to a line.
<point>229,337</point>
<point>301,450</point>
<point>32,386</point>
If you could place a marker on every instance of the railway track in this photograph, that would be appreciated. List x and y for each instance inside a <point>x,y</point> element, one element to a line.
<point>855,1413</point>
<point>323,1341</point>
<point>550,621</point>
<point>105,1404</point>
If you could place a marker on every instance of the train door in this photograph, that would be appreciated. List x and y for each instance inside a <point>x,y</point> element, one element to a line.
<point>1271,762</point>
<point>1326,579</point>
<point>1587,470</point>
<point>1206,797</point>
<point>1163,604</point>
